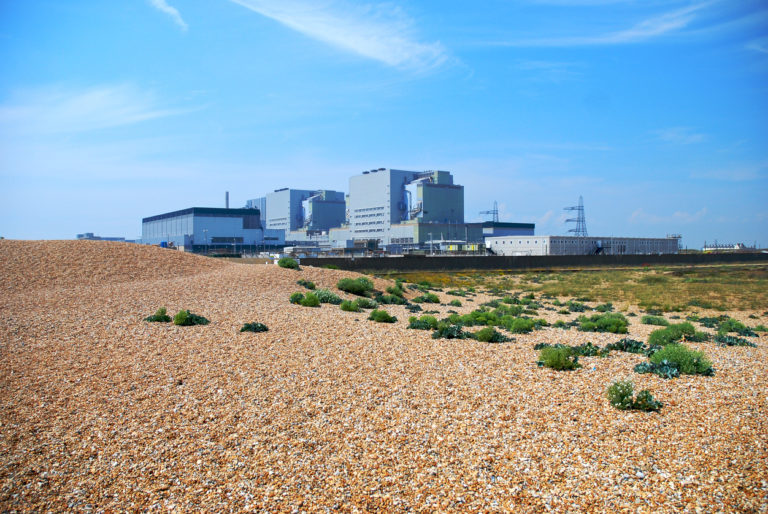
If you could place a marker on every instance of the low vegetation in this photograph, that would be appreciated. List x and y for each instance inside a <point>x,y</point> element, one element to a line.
<point>448,331</point>
<point>654,320</point>
<point>306,283</point>
<point>327,296</point>
<point>425,322</point>
<point>676,332</point>
<point>185,319</point>
<point>254,327</point>
<point>490,335</point>
<point>349,306</point>
<point>558,357</point>
<point>612,322</point>
<point>360,286</point>
<point>381,316</point>
<point>620,395</point>
<point>160,316</point>
<point>427,298</point>
<point>677,359</point>
<point>287,262</point>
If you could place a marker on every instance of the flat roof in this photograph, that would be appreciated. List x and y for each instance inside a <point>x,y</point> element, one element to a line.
<point>209,212</point>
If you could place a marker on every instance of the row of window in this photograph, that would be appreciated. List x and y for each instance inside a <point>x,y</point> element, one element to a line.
<point>368,209</point>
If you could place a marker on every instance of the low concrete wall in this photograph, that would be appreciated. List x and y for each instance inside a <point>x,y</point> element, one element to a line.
<point>445,263</point>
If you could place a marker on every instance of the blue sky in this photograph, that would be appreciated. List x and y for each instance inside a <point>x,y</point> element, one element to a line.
<point>656,112</point>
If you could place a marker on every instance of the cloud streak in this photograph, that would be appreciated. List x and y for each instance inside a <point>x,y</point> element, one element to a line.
<point>162,6</point>
<point>376,31</point>
<point>679,135</point>
<point>58,110</point>
<point>647,29</point>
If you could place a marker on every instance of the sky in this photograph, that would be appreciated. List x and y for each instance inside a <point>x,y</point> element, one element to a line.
<point>655,111</point>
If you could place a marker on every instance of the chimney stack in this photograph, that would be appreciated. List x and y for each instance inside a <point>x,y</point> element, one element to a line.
<point>226,199</point>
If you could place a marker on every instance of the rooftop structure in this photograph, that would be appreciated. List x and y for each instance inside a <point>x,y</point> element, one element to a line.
<point>575,245</point>
<point>304,209</point>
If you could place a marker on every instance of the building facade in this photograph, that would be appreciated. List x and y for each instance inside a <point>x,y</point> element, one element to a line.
<point>573,245</point>
<point>196,228</point>
<point>304,209</point>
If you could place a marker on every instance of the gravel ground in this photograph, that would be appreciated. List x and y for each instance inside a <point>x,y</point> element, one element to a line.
<point>101,410</point>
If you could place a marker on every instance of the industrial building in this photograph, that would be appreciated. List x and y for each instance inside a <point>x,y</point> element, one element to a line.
<point>580,245</point>
<point>202,229</point>
<point>403,210</point>
<point>304,209</point>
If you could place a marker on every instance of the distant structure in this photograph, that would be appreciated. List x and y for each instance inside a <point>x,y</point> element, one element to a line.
<point>727,247</point>
<point>89,236</point>
<point>576,245</point>
<point>580,219</point>
<point>304,209</point>
<point>493,212</point>
<point>206,229</point>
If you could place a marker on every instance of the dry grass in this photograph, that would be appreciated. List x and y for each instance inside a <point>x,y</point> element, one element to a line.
<point>100,410</point>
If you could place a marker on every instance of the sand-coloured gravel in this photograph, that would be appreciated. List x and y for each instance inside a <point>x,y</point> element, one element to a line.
<point>99,409</point>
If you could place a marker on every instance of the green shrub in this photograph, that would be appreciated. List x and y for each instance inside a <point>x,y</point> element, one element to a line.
<point>427,298</point>
<point>456,292</point>
<point>287,262</point>
<point>412,307</point>
<point>654,320</point>
<point>448,331</point>
<point>664,369</point>
<point>366,303</point>
<point>296,297</point>
<point>620,396</point>
<point>349,306</point>
<point>760,328</point>
<point>490,335</point>
<point>310,300</point>
<point>326,296</point>
<point>330,266</point>
<point>610,322</point>
<point>396,291</point>
<point>671,334</point>
<point>455,303</point>
<point>559,358</point>
<point>726,340</point>
<point>733,325</point>
<point>574,306</point>
<point>390,299</point>
<point>306,283</point>
<point>425,322</point>
<point>254,327</point>
<point>520,325</point>
<point>360,286</point>
<point>687,361</point>
<point>186,319</point>
<point>606,307</point>
<point>561,324</point>
<point>160,316</point>
<point>381,316</point>
<point>627,345</point>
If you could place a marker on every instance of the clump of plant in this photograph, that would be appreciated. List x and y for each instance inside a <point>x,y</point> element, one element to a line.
<point>349,306</point>
<point>630,346</point>
<point>610,322</point>
<point>186,319</point>
<point>654,320</point>
<point>395,290</point>
<point>674,333</point>
<point>587,349</point>
<point>390,299</point>
<point>455,303</point>
<point>381,316</point>
<point>330,266</point>
<point>327,296</point>
<point>561,324</point>
<point>490,335</point>
<point>412,307</point>
<point>680,358</point>
<point>254,327</point>
<point>310,300</point>
<point>160,316</point>
<point>306,283</point>
<point>360,286</point>
<point>366,303</point>
<point>726,340</point>
<point>425,322</point>
<point>760,328</point>
<point>559,358</point>
<point>620,396</point>
<point>520,325</point>
<point>574,306</point>
<point>448,331</point>
<point>296,297</point>
<point>605,307</point>
<point>733,325</point>
<point>427,298</point>
<point>287,262</point>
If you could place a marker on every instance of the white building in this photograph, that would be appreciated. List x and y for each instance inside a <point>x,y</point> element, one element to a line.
<point>573,245</point>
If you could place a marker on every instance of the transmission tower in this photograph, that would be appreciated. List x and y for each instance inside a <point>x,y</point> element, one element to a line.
<point>493,212</point>
<point>580,220</point>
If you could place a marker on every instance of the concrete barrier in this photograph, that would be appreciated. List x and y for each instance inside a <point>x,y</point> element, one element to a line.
<point>462,263</point>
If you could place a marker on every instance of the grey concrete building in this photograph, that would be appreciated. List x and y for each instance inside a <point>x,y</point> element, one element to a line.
<point>573,245</point>
<point>304,209</point>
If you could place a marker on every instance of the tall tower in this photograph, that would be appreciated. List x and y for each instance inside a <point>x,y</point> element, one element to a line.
<point>580,220</point>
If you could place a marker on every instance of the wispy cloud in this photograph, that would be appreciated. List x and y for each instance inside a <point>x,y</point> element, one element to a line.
<point>377,31</point>
<point>735,173</point>
<point>758,45</point>
<point>174,13</point>
<point>679,135</point>
<point>551,71</point>
<point>640,216</point>
<point>644,30</point>
<point>61,110</point>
